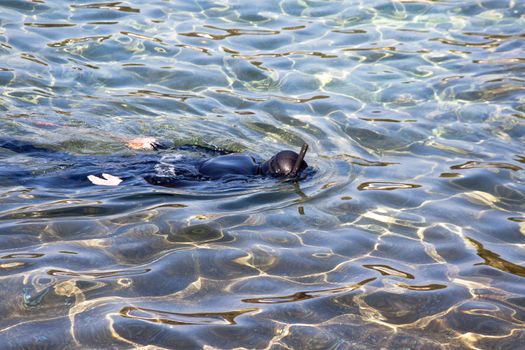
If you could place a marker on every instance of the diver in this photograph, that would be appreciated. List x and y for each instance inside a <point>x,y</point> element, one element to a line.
<point>284,164</point>
<point>189,165</point>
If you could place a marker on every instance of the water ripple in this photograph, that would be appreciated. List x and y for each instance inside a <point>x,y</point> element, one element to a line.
<point>408,231</point>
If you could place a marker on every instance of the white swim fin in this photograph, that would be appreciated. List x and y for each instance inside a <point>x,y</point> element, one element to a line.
<point>107,180</point>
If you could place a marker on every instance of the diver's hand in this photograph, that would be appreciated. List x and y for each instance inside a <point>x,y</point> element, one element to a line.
<point>143,143</point>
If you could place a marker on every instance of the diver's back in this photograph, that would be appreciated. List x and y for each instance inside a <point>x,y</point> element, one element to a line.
<point>230,164</point>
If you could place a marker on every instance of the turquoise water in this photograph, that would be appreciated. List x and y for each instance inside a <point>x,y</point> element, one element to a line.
<point>410,234</point>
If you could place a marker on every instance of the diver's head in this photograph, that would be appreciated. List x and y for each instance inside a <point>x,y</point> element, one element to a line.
<point>285,163</point>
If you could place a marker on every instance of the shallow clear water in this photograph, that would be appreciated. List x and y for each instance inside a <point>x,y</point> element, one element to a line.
<point>410,234</point>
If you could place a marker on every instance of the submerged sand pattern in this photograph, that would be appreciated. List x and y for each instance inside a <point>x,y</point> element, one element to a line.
<point>410,234</point>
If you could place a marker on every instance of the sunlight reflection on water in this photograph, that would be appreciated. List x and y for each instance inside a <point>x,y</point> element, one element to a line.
<point>409,234</point>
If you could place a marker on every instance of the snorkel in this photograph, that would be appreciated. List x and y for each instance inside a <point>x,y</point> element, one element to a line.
<point>298,162</point>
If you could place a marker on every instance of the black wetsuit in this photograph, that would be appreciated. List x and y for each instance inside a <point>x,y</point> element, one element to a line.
<point>187,165</point>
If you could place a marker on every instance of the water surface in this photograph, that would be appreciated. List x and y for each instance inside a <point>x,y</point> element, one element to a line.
<point>410,234</point>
